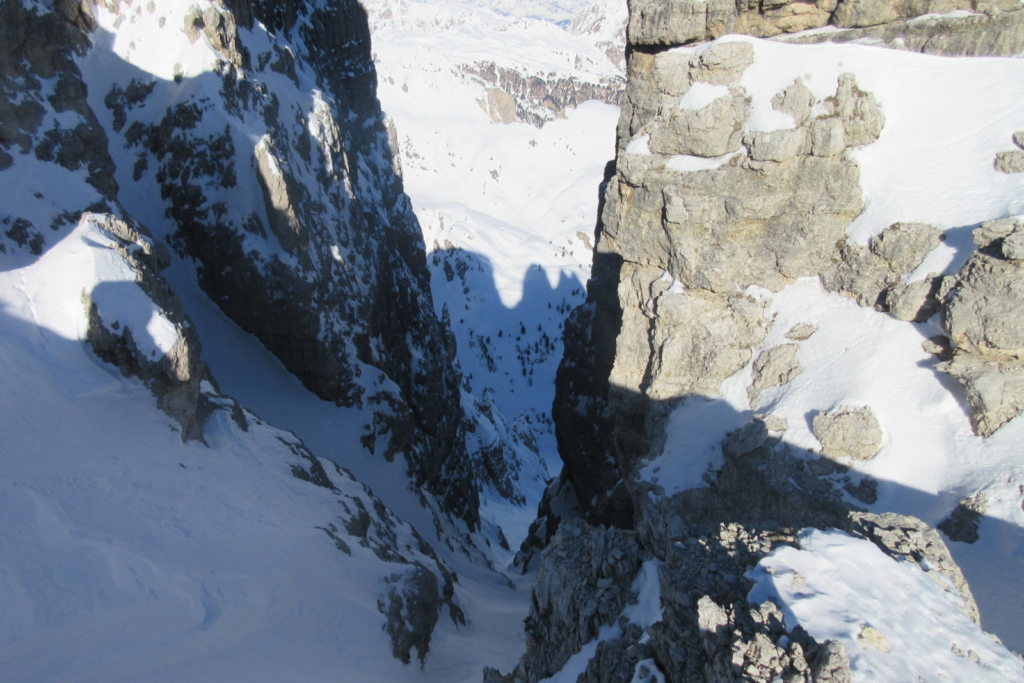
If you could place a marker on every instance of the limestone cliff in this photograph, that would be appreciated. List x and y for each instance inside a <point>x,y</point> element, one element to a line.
<point>709,216</point>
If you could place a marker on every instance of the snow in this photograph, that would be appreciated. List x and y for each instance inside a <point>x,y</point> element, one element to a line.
<point>700,95</point>
<point>130,555</point>
<point>686,163</point>
<point>895,621</point>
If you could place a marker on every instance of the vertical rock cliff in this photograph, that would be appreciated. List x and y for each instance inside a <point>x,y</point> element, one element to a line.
<point>723,387</point>
<point>264,140</point>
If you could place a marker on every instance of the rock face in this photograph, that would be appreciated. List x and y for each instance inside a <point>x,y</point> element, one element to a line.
<point>39,83</point>
<point>536,99</point>
<point>680,247</point>
<point>680,23</point>
<point>706,215</point>
<point>276,174</point>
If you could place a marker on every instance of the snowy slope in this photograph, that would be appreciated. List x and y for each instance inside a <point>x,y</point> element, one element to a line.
<point>131,555</point>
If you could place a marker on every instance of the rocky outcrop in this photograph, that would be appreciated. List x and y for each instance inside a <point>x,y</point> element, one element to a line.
<point>848,432</point>
<point>705,216</point>
<point>684,238</point>
<point>654,23</point>
<point>873,275</point>
<point>995,30</point>
<point>174,369</point>
<point>981,306</point>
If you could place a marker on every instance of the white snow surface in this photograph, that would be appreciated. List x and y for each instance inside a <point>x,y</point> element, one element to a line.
<point>883,611</point>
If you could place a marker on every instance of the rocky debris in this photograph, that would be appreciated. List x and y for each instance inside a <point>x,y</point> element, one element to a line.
<point>558,503</point>
<point>761,484</point>
<point>707,631</point>
<point>220,29</point>
<point>774,367</point>
<point>872,274</point>
<point>981,305</point>
<point>174,377</point>
<point>416,588</point>
<point>848,432</point>
<point>910,540</point>
<point>411,606</point>
<point>962,523</point>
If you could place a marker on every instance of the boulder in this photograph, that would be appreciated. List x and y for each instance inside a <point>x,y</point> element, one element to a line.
<point>848,432</point>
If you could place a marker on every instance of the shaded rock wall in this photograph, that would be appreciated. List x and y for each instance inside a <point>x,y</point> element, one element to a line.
<point>278,178</point>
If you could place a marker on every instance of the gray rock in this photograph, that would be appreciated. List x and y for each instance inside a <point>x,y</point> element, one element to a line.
<point>914,301</point>
<point>828,137</point>
<point>774,367</point>
<point>801,332</point>
<point>175,376</point>
<point>962,523</point>
<point>832,664</point>
<point>969,34</point>
<point>582,584</point>
<point>44,111</point>
<point>329,271</point>
<point>500,106</point>
<point>778,145</point>
<point>982,314</point>
<point>994,388</point>
<point>411,606</point>
<point>1010,161</point>
<point>859,111</point>
<point>848,432</point>
<point>1013,246</point>
<point>712,131</point>
<point>796,100</point>
<point>867,274</point>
